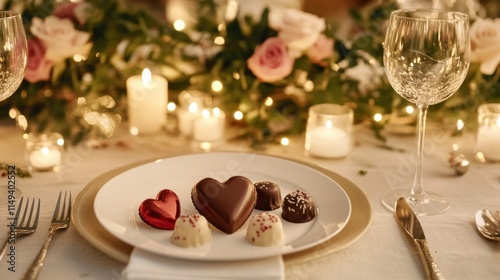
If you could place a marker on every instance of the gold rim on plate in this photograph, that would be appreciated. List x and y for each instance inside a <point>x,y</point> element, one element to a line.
<point>87,225</point>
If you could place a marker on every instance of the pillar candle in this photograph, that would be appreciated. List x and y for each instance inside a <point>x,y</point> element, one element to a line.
<point>147,102</point>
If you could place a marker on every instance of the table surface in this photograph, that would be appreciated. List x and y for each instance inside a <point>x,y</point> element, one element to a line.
<point>383,252</point>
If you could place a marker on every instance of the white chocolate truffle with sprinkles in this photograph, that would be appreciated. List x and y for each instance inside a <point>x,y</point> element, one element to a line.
<point>265,229</point>
<point>298,207</point>
<point>191,231</point>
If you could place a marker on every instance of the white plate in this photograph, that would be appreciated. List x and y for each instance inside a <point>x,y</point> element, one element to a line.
<point>117,202</point>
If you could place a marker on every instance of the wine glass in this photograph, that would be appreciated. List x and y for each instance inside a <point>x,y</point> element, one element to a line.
<point>13,59</point>
<point>426,59</point>
<point>13,53</point>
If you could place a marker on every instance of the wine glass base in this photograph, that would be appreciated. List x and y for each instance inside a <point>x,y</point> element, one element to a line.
<point>4,195</point>
<point>428,203</point>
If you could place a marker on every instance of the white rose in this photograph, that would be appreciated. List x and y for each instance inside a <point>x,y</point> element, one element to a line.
<point>60,38</point>
<point>485,43</point>
<point>299,30</point>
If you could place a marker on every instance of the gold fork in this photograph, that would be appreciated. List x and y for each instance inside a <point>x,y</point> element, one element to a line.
<point>23,227</point>
<point>60,220</point>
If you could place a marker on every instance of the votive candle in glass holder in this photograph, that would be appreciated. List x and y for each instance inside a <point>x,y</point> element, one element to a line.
<point>44,151</point>
<point>488,133</point>
<point>328,131</point>
<point>208,128</point>
<point>191,102</point>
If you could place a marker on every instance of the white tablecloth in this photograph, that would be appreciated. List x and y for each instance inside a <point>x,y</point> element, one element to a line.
<point>384,252</point>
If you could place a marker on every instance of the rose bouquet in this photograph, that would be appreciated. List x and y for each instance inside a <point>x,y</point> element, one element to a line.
<point>274,68</point>
<point>80,54</point>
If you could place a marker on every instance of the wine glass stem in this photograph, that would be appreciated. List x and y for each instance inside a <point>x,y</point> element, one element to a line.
<point>417,191</point>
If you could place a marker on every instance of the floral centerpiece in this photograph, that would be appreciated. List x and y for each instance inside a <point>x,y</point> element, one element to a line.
<point>80,54</point>
<point>269,70</point>
<point>274,68</point>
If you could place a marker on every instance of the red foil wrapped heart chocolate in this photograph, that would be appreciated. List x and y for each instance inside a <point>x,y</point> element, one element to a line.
<point>161,212</point>
<point>225,205</point>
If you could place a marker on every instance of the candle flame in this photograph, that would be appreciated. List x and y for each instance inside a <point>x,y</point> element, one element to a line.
<point>329,124</point>
<point>205,114</point>
<point>377,117</point>
<point>45,151</point>
<point>498,122</point>
<point>146,77</point>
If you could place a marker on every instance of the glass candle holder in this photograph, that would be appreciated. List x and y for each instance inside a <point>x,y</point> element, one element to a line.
<point>191,104</point>
<point>208,128</point>
<point>488,134</point>
<point>328,131</point>
<point>44,151</point>
<point>187,97</point>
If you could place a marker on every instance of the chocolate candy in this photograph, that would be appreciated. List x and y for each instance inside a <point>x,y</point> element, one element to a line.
<point>161,212</point>
<point>225,205</point>
<point>268,196</point>
<point>298,207</point>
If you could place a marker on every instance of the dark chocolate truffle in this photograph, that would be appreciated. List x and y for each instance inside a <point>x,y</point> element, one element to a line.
<point>298,207</point>
<point>268,196</point>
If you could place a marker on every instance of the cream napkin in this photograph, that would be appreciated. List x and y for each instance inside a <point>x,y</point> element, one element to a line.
<point>148,266</point>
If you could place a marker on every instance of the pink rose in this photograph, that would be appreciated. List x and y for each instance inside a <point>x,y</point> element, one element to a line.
<point>322,49</point>
<point>271,61</point>
<point>38,68</point>
<point>60,38</point>
<point>298,29</point>
<point>485,43</point>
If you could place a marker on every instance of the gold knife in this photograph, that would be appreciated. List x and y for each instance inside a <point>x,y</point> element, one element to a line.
<point>412,227</point>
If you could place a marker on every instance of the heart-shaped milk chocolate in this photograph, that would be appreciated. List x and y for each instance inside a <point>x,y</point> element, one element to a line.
<point>225,205</point>
<point>161,212</point>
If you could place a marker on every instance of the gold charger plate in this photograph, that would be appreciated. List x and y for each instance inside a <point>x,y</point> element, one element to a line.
<point>87,225</point>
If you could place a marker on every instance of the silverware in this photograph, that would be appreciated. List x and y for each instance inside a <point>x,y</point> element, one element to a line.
<point>60,220</point>
<point>488,224</point>
<point>23,227</point>
<point>412,227</point>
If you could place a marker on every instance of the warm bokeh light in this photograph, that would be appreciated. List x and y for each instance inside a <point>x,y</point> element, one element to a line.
<point>171,106</point>
<point>284,141</point>
<point>409,109</point>
<point>268,102</point>
<point>460,124</point>
<point>219,40</point>
<point>179,25</point>
<point>377,117</point>
<point>238,115</point>
<point>217,86</point>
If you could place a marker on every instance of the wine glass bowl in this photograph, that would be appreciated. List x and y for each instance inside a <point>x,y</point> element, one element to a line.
<point>13,60</point>
<point>426,59</point>
<point>13,53</point>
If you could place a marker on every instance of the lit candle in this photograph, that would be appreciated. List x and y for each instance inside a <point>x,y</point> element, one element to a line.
<point>488,141</point>
<point>186,118</point>
<point>328,141</point>
<point>45,158</point>
<point>44,151</point>
<point>147,102</point>
<point>209,126</point>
